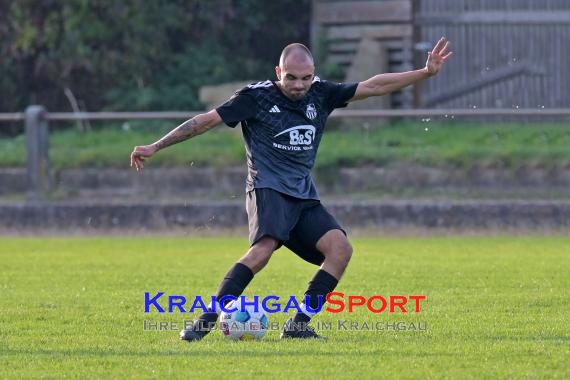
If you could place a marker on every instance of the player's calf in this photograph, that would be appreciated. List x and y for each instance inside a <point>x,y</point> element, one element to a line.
<point>337,251</point>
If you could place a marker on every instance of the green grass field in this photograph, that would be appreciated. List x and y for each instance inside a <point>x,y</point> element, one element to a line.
<point>442,144</point>
<point>496,308</point>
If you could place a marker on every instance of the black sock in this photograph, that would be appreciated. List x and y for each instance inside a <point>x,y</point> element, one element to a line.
<point>321,285</point>
<point>233,284</point>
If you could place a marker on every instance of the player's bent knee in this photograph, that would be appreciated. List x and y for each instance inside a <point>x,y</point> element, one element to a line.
<point>339,253</point>
<point>344,254</point>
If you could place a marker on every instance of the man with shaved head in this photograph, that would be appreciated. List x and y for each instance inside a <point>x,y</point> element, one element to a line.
<point>282,123</point>
<point>295,58</point>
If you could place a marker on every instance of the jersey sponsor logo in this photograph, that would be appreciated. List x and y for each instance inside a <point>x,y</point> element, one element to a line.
<point>300,135</point>
<point>288,147</point>
<point>275,109</point>
<point>311,111</point>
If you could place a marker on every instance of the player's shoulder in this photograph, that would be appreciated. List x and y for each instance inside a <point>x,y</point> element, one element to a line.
<point>322,85</point>
<point>263,85</point>
<point>257,88</point>
<point>252,93</point>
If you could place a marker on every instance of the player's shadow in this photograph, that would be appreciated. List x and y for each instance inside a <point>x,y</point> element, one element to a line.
<point>211,348</point>
<point>196,350</point>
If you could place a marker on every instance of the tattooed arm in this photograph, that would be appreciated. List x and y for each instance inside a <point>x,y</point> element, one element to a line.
<point>191,128</point>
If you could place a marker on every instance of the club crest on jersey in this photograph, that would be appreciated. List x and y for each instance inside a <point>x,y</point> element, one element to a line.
<point>311,111</point>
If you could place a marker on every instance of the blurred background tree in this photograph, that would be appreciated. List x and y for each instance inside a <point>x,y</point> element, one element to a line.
<point>135,54</point>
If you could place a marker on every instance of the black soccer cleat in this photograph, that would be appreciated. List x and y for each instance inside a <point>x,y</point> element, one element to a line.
<point>299,330</point>
<point>200,328</point>
<point>190,335</point>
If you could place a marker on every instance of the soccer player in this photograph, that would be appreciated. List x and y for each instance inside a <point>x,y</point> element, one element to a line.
<point>282,124</point>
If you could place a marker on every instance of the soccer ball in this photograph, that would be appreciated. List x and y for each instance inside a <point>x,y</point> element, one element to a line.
<point>244,325</point>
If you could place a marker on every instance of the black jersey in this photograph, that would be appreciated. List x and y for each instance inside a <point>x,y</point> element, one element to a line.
<point>281,135</point>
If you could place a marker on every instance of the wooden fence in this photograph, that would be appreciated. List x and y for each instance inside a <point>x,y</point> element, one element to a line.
<point>507,53</point>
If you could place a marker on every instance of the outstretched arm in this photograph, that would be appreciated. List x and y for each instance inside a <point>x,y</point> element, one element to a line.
<point>190,128</point>
<point>383,84</point>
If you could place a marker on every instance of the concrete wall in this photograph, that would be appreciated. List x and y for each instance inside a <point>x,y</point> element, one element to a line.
<point>229,183</point>
<point>490,215</point>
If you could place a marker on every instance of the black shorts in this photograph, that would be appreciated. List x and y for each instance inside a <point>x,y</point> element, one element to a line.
<point>298,224</point>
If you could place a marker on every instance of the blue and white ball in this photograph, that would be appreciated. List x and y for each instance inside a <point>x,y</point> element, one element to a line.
<point>244,325</point>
